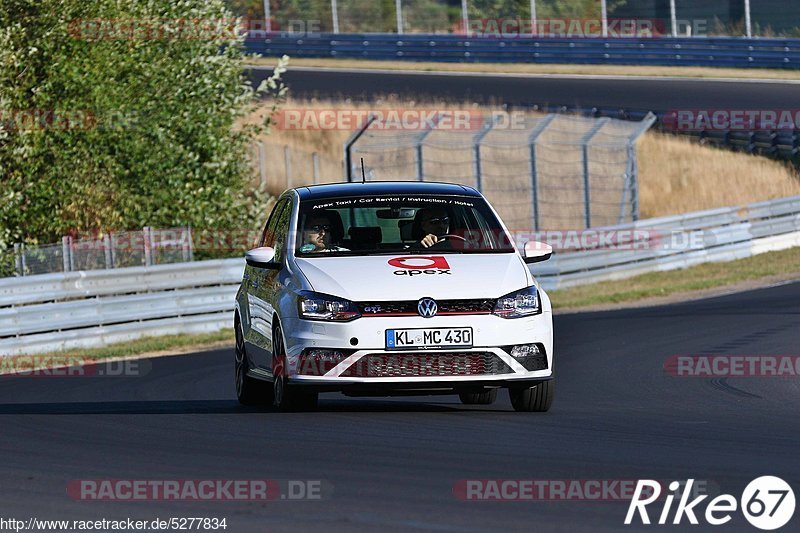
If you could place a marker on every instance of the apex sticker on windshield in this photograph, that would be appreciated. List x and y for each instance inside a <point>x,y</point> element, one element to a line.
<point>416,265</point>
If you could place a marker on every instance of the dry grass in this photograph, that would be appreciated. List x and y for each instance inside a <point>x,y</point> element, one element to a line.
<point>678,176</point>
<point>523,68</point>
<point>675,174</point>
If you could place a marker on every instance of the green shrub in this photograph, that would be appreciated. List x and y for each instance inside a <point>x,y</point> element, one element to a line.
<point>130,132</point>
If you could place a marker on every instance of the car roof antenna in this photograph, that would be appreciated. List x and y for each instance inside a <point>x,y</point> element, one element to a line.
<point>363,172</point>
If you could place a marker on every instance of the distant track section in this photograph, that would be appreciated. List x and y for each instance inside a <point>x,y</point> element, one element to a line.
<point>618,97</point>
<point>657,94</point>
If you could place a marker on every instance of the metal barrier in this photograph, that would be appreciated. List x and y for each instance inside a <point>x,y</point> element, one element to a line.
<point>86,309</point>
<point>681,241</point>
<point>552,171</point>
<point>53,312</point>
<point>694,51</point>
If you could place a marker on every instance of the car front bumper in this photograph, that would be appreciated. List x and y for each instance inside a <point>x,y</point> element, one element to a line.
<point>367,335</point>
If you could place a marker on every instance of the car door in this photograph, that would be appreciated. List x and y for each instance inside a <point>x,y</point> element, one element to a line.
<point>274,281</point>
<point>258,336</point>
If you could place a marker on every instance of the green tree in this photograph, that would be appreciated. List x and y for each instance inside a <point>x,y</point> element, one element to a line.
<point>134,124</point>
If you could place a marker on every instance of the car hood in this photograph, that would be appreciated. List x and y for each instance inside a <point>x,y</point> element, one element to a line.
<point>387,277</point>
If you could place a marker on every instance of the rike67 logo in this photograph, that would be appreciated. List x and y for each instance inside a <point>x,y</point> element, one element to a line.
<point>767,503</point>
<point>418,265</point>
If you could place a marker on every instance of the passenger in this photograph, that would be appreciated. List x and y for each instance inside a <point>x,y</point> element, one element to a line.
<point>317,235</point>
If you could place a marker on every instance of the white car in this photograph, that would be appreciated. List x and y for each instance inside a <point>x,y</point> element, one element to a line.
<point>391,288</point>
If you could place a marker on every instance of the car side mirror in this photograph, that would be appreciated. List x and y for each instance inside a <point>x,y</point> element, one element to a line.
<point>263,257</point>
<point>537,251</point>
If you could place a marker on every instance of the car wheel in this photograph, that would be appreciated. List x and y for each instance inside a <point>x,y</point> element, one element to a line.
<point>538,398</point>
<point>249,391</point>
<point>285,396</point>
<point>478,398</point>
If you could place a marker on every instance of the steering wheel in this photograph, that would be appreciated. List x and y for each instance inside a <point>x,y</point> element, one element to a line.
<point>450,236</point>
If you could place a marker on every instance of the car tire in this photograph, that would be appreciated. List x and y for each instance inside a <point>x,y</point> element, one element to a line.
<point>287,397</point>
<point>537,399</point>
<point>249,391</point>
<point>478,398</point>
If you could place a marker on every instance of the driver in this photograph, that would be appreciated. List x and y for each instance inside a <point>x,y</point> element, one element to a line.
<point>434,222</point>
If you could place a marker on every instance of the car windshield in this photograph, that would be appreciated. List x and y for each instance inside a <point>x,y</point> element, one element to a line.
<point>369,225</point>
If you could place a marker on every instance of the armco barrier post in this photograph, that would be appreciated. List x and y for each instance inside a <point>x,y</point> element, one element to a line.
<point>418,148</point>
<point>476,151</point>
<point>107,251</point>
<point>66,253</point>
<point>348,148</point>
<point>18,259</point>
<point>633,165</point>
<point>532,138</point>
<point>190,243</point>
<point>71,254</point>
<point>148,246</point>
<point>587,196</point>
<point>113,245</point>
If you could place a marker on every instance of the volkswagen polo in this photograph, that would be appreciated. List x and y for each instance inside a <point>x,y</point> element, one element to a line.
<point>391,288</point>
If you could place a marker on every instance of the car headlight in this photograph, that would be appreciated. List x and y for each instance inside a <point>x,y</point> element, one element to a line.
<point>315,306</point>
<point>520,303</point>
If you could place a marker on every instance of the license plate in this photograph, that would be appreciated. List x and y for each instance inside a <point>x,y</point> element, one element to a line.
<point>428,338</point>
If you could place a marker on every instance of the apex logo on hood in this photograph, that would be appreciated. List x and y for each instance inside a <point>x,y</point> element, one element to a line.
<point>415,265</point>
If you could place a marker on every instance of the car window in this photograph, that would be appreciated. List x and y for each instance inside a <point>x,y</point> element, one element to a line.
<point>268,237</point>
<point>282,232</point>
<point>365,225</point>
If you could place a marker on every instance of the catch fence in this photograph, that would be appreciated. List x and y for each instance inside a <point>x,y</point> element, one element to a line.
<point>539,171</point>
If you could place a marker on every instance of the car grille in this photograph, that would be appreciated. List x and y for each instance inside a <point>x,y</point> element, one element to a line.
<point>445,307</point>
<point>427,364</point>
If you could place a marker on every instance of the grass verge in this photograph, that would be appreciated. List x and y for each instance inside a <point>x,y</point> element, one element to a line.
<point>681,284</point>
<point>151,346</point>
<point>526,68</point>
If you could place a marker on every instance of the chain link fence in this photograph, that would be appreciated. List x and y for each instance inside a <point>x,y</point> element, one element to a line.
<point>111,250</point>
<point>278,167</point>
<point>768,18</point>
<point>539,171</point>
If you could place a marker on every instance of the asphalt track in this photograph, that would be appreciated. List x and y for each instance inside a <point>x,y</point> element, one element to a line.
<point>391,464</point>
<point>664,94</point>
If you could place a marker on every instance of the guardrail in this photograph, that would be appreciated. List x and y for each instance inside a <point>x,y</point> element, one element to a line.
<point>694,51</point>
<point>681,241</point>
<point>73,310</point>
<point>62,311</point>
